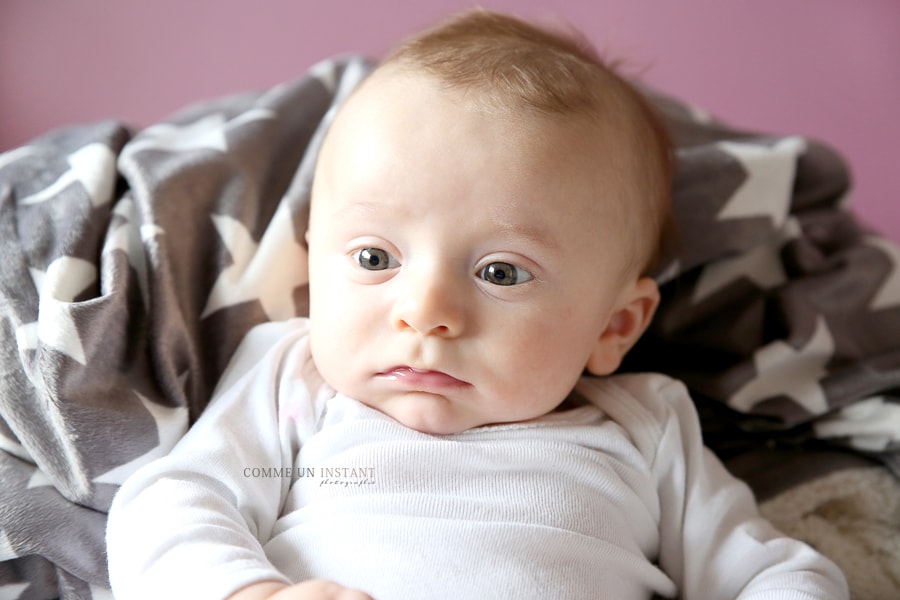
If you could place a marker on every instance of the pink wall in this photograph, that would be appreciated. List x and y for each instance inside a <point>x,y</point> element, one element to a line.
<point>824,68</point>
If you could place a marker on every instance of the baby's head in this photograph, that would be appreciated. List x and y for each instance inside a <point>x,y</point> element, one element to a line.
<point>486,208</point>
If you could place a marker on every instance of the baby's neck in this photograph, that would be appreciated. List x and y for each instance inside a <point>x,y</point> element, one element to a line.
<point>573,400</point>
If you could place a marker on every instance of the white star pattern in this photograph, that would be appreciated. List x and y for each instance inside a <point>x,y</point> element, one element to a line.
<point>100,593</point>
<point>206,133</point>
<point>65,278</point>
<point>338,83</point>
<point>783,370</point>
<point>871,424</point>
<point>93,166</point>
<point>699,115</point>
<point>8,158</point>
<point>12,590</point>
<point>203,133</point>
<point>761,265</point>
<point>888,296</point>
<point>14,448</point>
<point>171,425</point>
<point>769,185</point>
<point>39,479</point>
<point>6,553</point>
<point>66,340</point>
<point>268,272</point>
<point>27,337</point>
<point>672,270</point>
<point>128,238</point>
<point>325,72</point>
<point>254,114</point>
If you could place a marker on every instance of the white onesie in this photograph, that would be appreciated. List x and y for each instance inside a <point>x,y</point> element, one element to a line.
<point>282,479</point>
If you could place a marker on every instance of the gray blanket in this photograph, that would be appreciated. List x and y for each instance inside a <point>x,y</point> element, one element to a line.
<point>134,262</point>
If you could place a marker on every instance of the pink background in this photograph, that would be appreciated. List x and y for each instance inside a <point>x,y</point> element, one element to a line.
<point>829,69</point>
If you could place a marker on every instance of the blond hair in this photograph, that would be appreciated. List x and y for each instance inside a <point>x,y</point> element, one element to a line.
<point>515,66</point>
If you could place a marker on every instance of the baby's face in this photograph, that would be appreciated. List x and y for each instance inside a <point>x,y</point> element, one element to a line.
<point>462,264</point>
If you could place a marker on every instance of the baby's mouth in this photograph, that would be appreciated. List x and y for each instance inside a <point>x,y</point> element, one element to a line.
<point>421,379</point>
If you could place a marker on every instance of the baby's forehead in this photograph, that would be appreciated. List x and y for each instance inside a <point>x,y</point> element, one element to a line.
<point>576,143</point>
<point>582,131</point>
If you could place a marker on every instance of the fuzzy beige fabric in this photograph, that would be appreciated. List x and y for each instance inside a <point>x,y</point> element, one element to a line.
<point>853,517</point>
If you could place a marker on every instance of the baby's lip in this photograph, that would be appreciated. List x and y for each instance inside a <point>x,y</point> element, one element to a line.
<point>421,379</point>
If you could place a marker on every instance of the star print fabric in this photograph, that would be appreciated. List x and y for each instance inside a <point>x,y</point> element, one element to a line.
<point>132,264</point>
<point>780,309</point>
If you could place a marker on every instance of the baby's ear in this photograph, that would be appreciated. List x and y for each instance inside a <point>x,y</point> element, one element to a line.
<point>627,323</point>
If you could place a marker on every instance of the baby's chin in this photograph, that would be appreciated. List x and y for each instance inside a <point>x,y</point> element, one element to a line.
<point>427,413</point>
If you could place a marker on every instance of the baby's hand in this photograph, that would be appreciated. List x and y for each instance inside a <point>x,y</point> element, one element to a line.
<point>313,589</point>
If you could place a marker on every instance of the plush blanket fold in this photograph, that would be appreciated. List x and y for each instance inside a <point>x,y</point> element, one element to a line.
<point>134,262</point>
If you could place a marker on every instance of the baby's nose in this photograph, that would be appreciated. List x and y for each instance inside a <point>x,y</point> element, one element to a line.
<point>429,304</point>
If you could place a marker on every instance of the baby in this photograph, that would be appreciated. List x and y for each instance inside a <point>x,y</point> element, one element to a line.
<point>486,210</point>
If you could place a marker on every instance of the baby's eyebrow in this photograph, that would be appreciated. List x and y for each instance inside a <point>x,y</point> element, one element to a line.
<point>368,209</point>
<point>531,233</point>
<point>363,208</point>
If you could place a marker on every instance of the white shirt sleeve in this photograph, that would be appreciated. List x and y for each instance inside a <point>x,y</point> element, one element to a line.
<point>713,542</point>
<point>186,526</point>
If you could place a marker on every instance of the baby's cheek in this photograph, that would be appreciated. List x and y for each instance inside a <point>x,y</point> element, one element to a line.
<point>532,359</point>
<point>556,358</point>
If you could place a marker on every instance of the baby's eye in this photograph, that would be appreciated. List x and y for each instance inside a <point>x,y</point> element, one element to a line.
<point>375,259</point>
<point>501,273</point>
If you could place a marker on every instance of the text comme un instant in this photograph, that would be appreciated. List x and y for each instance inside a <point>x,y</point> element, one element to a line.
<point>300,472</point>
